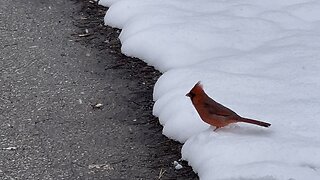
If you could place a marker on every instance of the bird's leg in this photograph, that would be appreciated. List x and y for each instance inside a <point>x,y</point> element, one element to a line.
<point>216,128</point>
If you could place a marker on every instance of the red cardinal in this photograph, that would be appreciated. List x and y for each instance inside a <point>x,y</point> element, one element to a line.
<point>214,113</point>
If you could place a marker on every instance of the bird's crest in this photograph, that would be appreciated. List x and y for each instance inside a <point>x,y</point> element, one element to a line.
<point>199,84</point>
<point>197,89</point>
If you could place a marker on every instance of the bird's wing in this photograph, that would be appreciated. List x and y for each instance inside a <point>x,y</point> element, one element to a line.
<point>216,108</point>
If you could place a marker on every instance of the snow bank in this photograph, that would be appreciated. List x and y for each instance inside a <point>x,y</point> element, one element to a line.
<point>260,58</point>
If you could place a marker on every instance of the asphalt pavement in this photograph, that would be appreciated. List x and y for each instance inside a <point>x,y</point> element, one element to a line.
<point>71,106</point>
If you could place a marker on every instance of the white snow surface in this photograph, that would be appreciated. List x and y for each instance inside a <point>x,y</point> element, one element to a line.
<point>261,58</point>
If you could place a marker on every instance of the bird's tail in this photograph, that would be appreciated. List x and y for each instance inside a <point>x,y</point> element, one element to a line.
<point>256,122</point>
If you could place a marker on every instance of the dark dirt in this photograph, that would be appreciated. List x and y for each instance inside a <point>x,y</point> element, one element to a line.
<point>162,151</point>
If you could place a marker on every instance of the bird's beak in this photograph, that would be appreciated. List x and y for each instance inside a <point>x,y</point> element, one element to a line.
<point>188,94</point>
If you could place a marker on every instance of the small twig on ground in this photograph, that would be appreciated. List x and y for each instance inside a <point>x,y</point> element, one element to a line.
<point>10,148</point>
<point>161,173</point>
